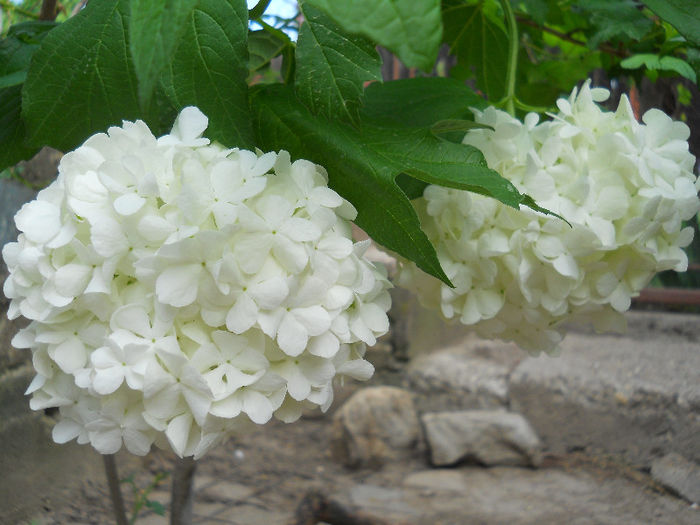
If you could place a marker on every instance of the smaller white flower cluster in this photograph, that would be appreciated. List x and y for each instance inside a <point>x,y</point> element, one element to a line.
<point>624,186</point>
<point>178,290</point>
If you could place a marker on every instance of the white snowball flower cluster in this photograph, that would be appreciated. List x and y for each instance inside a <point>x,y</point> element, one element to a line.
<point>177,290</point>
<point>624,186</point>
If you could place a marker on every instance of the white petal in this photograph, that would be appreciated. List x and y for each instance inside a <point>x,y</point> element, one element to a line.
<point>178,285</point>
<point>243,315</point>
<point>292,336</point>
<point>257,406</point>
<point>270,293</point>
<point>39,220</point>
<point>128,204</point>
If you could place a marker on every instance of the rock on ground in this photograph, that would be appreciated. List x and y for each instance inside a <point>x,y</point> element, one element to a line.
<point>679,475</point>
<point>630,396</point>
<point>507,495</point>
<point>376,425</point>
<point>488,437</point>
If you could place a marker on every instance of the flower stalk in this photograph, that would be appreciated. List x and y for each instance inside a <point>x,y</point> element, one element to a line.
<point>182,495</point>
<point>512,64</point>
<point>115,492</point>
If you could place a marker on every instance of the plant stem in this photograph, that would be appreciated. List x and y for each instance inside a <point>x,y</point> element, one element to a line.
<point>259,9</point>
<point>512,27</point>
<point>9,6</point>
<point>181,497</point>
<point>114,489</point>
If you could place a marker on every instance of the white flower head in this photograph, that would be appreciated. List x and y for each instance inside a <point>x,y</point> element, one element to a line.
<point>180,292</point>
<point>624,186</point>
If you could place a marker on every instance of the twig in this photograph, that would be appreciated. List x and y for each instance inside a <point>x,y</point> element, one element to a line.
<point>114,489</point>
<point>568,38</point>
<point>182,494</point>
<point>9,6</point>
<point>48,10</point>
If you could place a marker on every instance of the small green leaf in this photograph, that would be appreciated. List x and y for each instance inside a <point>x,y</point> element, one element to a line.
<point>684,15</point>
<point>657,63</point>
<point>450,125</point>
<point>210,67</point>
<point>155,29</point>
<point>81,79</point>
<point>263,46</point>
<point>332,66</point>
<point>156,507</point>
<point>13,79</point>
<point>412,29</point>
<point>480,44</point>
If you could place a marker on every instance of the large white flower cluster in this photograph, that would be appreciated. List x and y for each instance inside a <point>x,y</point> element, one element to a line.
<point>624,186</point>
<point>178,290</point>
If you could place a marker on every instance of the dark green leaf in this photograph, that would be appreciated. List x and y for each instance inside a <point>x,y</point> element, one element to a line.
<point>210,68</point>
<point>684,15</point>
<point>263,46</point>
<point>16,51</point>
<point>332,66</point>
<point>384,212</point>
<point>480,44</point>
<point>412,29</point>
<point>363,166</point>
<point>81,79</point>
<point>155,29</point>
<point>537,9</point>
<point>419,102</point>
<point>618,19</point>
<point>413,188</point>
<point>450,125</point>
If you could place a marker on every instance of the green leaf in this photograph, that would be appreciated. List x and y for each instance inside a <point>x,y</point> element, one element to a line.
<point>210,68</point>
<point>384,212</point>
<point>450,125</point>
<point>657,63</point>
<point>684,15</point>
<point>156,507</point>
<point>411,29</point>
<point>618,19</point>
<point>263,46</point>
<point>419,101</point>
<point>81,79</point>
<point>16,51</point>
<point>13,79</point>
<point>480,44</point>
<point>363,167</point>
<point>332,66</point>
<point>155,29</point>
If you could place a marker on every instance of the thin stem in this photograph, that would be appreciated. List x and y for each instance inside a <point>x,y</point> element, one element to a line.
<point>259,9</point>
<point>512,28</point>
<point>181,499</point>
<point>114,489</point>
<point>622,53</point>
<point>9,6</point>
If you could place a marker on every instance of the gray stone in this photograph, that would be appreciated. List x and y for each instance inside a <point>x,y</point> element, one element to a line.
<point>679,475</point>
<point>489,437</point>
<point>632,396</point>
<point>508,495</point>
<point>452,379</point>
<point>376,425</point>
